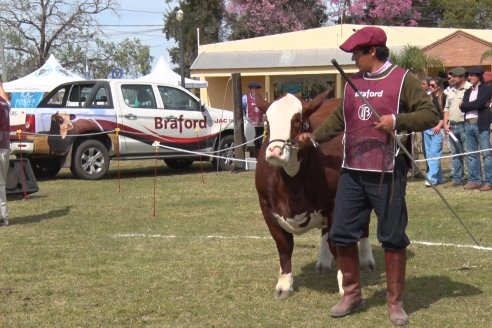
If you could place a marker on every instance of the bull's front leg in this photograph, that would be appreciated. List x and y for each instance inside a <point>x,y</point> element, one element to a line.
<point>285,246</point>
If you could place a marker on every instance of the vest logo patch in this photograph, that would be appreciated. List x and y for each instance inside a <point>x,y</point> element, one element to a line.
<point>370,94</point>
<point>365,112</point>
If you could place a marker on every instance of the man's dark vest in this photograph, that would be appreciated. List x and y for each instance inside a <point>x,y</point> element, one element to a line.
<point>366,148</point>
<point>254,114</point>
<point>4,124</point>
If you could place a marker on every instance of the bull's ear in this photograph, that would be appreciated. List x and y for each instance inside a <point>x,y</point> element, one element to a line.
<point>72,117</point>
<point>308,107</point>
<point>261,103</point>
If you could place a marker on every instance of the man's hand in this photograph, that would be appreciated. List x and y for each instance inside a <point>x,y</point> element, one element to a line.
<point>385,124</point>
<point>305,139</point>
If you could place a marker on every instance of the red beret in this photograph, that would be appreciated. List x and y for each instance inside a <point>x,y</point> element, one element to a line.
<point>487,76</point>
<point>365,37</point>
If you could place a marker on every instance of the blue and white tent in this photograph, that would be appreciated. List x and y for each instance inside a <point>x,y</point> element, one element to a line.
<point>28,90</point>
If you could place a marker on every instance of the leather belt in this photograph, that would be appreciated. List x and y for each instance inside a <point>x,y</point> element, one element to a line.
<point>471,120</point>
<point>456,122</point>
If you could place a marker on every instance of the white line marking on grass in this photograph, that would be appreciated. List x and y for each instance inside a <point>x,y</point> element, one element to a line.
<point>428,243</point>
<point>143,235</point>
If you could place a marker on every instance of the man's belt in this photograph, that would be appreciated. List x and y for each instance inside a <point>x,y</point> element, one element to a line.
<point>471,120</point>
<point>456,122</point>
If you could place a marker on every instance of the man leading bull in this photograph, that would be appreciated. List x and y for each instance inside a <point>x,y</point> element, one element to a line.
<point>374,170</point>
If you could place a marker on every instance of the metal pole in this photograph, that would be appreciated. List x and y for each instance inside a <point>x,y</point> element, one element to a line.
<point>181,53</point>
<point>239,138</point>
<point>402,147</point>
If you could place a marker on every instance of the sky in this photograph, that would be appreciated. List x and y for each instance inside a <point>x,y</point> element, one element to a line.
<point>142,19</point>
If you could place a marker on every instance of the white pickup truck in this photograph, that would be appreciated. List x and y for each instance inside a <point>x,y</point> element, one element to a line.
<point>85,124</point>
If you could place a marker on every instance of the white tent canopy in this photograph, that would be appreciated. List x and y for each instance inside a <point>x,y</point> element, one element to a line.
<point>44,79</point>
<point>162,72</point>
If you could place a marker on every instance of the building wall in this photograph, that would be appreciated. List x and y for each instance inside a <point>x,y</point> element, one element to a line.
<point>461,50</point>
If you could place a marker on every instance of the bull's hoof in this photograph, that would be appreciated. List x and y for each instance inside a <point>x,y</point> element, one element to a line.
<point>281,294</point>
<point>322,268</point>
<point>368,266</point>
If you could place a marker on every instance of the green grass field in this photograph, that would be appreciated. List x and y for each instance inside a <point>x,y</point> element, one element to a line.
<point>92,254</point>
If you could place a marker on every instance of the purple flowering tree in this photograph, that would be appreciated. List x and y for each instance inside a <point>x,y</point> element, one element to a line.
<point>251,18</point>
<point>376,12</point>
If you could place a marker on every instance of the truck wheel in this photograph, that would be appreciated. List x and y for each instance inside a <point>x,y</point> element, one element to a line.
<point>178,163</point>
<point>44,168</point>
<point>90,161</point>
<point>226,162</point>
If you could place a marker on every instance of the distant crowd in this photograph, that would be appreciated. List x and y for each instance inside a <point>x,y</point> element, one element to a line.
<point>464,104</point>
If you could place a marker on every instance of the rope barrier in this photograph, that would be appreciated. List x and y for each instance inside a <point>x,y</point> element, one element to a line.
<point>119,131</point>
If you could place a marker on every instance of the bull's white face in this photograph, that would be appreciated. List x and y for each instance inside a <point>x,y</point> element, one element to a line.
<point>280,115</point>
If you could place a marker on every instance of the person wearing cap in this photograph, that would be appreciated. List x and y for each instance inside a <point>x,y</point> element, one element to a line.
<point>251,111</point>
<point>374,171</point>
<point>4,154</point>
<point>478,118</point>
<point>487,78</point>
<point>454,125</point>
<point>433,137</point>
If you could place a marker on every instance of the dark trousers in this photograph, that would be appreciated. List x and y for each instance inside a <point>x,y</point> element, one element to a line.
<point>360,192</point>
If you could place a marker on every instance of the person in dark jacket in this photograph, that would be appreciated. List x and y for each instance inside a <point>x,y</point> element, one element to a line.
<point>478,118</point>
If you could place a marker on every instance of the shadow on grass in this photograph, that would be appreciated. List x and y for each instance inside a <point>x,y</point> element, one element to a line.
<point>40,217</point>
<point>327,282</point>
<point>420,292</point>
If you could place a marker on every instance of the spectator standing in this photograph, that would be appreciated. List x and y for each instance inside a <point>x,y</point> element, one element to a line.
<point>475,105</point>
<point>420,138</point>
<point>487,79</point>
<point>4,154</point>
<point>374,171</point>
<point>454,125</point>
<point>433,136</point>
<point>251,111</point>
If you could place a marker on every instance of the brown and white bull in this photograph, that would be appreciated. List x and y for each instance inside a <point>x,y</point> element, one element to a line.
<point>297,187</point>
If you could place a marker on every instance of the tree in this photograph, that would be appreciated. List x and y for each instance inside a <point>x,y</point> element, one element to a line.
<point>486,54</point>
<point>34,29</point>
<point>415,60</point>
<point>206,15</point>
<point>252,18</point>
<point>467,13</point>
<point>129,55</point>
<point>376,12</point>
